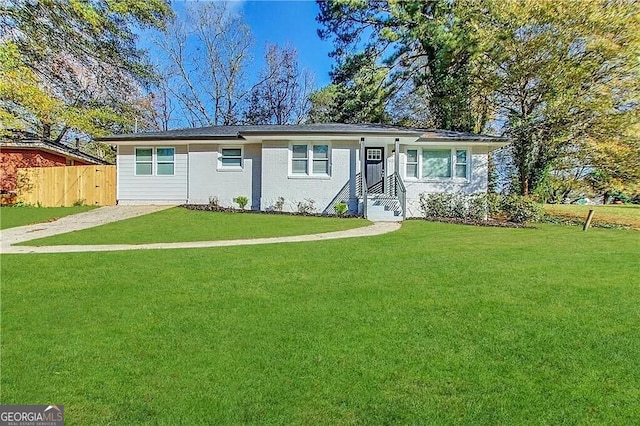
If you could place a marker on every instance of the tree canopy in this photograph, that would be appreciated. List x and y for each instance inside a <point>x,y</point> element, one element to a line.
<point>74,65</point>
<point>559,78</point>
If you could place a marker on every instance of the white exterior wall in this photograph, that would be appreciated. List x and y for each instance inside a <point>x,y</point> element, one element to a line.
<point>152,189</point>
<point>325,191</point>
<point>207,179</point>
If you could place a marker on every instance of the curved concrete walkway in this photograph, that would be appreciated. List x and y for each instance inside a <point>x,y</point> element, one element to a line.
<point>11,236</point>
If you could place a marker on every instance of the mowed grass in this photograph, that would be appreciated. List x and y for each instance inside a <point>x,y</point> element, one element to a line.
<point>179,225</point>
<point>626,214</point>
<point>433,324</point>
<point>11,217</point>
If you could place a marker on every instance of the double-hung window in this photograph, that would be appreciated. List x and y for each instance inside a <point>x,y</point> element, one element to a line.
<point>144,161</point>
<point>165,159</point>
<point>299,159</point>
<point>231,158</point>
<point>412,164</point>
<point>461,163</point>
<point>160,161</point>
<point>310,160</point>
<point>321,159</point>
<point>437,164</point>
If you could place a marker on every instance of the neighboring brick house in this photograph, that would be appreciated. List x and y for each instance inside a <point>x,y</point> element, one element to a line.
<point>26,150</point>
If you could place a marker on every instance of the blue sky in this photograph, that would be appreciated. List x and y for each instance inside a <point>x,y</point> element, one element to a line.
<point>284,23</point>
<point>290,22</point>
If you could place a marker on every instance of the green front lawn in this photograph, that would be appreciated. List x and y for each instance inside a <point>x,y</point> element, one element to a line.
<point>179,225</point>
<point>11,217</point>
<point>433,324</point>
<point>626,214</point>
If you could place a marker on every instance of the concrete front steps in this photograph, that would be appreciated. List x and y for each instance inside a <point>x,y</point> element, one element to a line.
<point>383,208</point>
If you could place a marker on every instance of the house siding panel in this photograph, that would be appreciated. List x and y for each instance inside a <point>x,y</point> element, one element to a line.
<point>134,189</point>
<point>208,180</point>
<point>324,191</point>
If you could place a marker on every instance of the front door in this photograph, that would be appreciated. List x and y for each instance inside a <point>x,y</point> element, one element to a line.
<point>374,170</point>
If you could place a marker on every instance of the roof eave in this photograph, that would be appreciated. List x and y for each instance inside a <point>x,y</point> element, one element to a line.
<point>74,155</point>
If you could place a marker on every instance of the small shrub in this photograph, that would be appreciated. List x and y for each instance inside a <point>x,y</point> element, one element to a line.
<point>241,201</point>
<point>279,204</point>
<point>478,206</point>
<point>521,209</point>
<point>306,206</point>
<point>494,204</point>
<point>434,205</point>
<point>458,208</point>
<point>341,208</point>
<point>214,201</point>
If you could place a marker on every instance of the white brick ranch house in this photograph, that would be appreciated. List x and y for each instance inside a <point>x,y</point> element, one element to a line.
<point>320,162</point>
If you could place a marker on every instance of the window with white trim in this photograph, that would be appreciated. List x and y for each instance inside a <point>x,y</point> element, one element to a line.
<point>299,159</point>
<point>144,161</point>
<point>437,163</point>
<point>159,161</point>
<point>310,160</point>
<point>321,159</point>
<point>231,158</point>
<point>412,164</point>
<point>461,163</point>
<point>165,161</point>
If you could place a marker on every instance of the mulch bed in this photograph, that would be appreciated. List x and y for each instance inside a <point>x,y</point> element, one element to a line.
<point>489,222</point>
<point>214,208</point>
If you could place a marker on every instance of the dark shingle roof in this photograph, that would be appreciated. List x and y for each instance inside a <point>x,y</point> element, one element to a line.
<point>226,132</point>
<point>31,142</point>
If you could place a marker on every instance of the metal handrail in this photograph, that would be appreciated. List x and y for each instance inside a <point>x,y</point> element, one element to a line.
<point>401,193</point>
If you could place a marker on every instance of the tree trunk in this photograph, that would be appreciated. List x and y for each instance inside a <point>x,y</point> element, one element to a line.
<point>524,183</point>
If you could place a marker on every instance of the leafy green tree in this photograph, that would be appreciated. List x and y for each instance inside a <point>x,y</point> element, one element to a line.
<point>563,75</point>
<point>74,64</point>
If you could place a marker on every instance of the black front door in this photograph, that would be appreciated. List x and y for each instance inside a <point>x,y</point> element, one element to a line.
<point>374,170</point>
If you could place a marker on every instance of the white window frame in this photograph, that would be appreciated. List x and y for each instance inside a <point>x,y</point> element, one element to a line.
<point>416,163</point>
<point>454,164</point>
<point>222,167</point>
<point>154,160</point>
<point>136,162</point>
<point>309,159</point>
<point>453,151</point>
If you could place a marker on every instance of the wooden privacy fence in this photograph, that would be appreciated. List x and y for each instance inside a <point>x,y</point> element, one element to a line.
<point>66,186</point>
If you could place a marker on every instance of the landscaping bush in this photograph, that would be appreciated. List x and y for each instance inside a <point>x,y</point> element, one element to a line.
<point>306,206</point>
<point>436,205</point>
<point>279,204</point>
<point>475,207</point>
<point>341,208</point>
<point>521,209</point>
<point>241,201</point>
